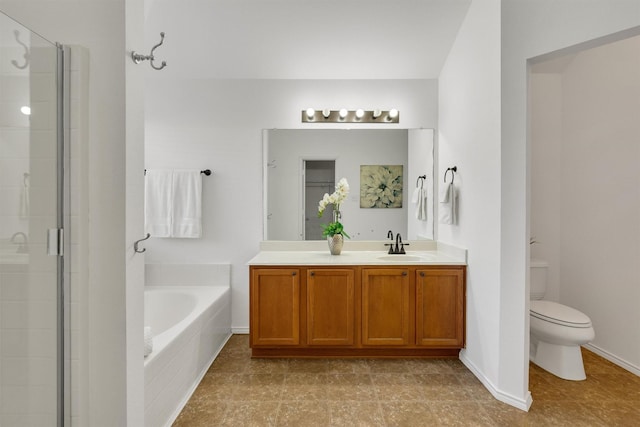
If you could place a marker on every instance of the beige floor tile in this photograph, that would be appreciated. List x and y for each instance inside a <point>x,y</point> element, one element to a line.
<point>408,414</point>
<point>355,414</point>
<point>303,413</point>
<point>240,391</point>
<point>250,414</point>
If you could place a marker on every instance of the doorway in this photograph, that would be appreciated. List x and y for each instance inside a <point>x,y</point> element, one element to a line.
<point>319,178</point>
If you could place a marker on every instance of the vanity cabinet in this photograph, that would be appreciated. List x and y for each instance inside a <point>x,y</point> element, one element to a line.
<point>385,307</point>
<point>440,307</point>
<point>357,311</point>
<point>330,307</point>
<point>275,306</point>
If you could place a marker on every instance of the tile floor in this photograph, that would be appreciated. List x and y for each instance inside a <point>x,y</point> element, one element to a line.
<point>240,391</point>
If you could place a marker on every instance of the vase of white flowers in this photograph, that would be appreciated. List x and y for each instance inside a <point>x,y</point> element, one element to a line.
<point>334,231</point>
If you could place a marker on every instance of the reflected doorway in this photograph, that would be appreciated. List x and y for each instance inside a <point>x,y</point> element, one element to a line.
<point>319,178</point>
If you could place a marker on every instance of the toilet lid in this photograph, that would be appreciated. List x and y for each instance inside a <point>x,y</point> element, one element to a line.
<point>553,312</point>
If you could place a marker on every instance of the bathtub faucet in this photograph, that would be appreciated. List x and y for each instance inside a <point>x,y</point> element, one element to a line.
<point>23,246</point>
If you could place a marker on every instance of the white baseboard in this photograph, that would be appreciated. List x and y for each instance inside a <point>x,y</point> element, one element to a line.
<point>516,402</point>
<point>614,359</point>
<point>241,331</point>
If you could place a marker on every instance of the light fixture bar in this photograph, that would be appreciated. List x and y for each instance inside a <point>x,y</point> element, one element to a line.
<point>311,115</point>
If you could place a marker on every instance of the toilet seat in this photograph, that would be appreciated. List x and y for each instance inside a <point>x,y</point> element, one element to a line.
<point>559,314</point>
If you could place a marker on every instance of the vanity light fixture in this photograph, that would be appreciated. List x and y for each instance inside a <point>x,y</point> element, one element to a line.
<point>310,112</point>
<point>311,115</point>
<point>26,110</point>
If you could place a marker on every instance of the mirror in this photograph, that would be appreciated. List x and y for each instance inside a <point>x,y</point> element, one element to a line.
<point>292,181</point>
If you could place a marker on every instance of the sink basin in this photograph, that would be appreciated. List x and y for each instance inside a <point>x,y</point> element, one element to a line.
<point>401,258</point>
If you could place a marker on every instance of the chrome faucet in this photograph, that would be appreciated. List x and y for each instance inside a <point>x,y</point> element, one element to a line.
<point>24,245</point>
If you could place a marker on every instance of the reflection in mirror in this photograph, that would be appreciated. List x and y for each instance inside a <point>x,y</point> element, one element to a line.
<point>301,165</point>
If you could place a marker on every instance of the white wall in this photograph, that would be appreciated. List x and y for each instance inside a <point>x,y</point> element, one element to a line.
<point>531,28</point>
<point>218,124</point>
<point>586,202</point>
<point>98,25</point>
<point>469,138</point>
<point>350,149</point>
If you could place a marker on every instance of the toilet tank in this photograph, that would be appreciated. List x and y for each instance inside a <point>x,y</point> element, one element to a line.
<point>538,280</point>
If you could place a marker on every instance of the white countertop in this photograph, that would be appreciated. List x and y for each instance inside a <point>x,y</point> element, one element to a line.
<point>439,254</point>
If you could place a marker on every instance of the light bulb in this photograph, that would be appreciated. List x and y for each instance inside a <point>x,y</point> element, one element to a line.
<point>376,113</point>
<point>326,113</point>
<point>26,110</point>
<point>343,113</point>
<point>359,113</point>
<point>310,113</point>
<point>393,113</point>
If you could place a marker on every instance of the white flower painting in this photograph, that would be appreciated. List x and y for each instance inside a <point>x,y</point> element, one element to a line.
<point>381,186</point>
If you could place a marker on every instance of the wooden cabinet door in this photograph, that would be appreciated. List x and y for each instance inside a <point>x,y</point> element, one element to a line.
<point>385,307</point>
<point>440,307</point>
<point>330,307</point>
<point>275,306</point>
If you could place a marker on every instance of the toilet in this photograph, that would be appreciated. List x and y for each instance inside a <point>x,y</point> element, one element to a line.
<point>556,331</point>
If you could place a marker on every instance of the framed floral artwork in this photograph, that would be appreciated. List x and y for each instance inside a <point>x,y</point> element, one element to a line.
<point>381,186</point>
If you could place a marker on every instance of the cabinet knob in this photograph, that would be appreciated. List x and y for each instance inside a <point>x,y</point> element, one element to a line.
<point>422,274</point>
<point>293,273</point>
<point>404,273</point>
<point>313,273</point>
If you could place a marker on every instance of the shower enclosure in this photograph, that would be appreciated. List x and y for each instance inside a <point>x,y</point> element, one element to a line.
<point>33,378</point>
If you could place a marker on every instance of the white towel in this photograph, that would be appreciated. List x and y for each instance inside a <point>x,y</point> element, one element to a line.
<point>158,202</point>
<point>187,204</point>
<point>421,209</point>
<point>148,341</point>
<point>173,203</point>
<point>448,204</point>
<point>416,195</point>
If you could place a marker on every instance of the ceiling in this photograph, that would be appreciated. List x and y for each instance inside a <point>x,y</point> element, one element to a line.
<point>303,39</point>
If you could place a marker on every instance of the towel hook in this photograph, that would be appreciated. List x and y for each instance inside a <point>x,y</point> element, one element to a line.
<point>420,181</point>
<point>26,55</point>
<point>138,58</point>
<point>135,245</point>
<point>453,175</point>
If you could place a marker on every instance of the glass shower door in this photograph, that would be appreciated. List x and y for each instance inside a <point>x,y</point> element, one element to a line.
<point>31,326</point>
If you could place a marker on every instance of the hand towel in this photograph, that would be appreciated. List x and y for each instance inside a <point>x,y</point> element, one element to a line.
<point>187,204</point>
<point>148,341</point>
<point>158,202</point>
<point>416,195</point>
<point>421,209</point>
<point>448,204</point>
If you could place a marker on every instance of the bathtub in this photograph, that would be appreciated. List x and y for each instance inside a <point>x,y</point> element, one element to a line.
<point>190,325</point>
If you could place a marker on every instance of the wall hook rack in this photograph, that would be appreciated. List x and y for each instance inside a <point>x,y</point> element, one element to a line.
<point>137,242</point>
<point>420,180</point>
<point>138,58</point>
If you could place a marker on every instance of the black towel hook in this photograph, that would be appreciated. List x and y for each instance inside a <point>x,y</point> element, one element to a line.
<point>420,181</point>
<point>453,175</point>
